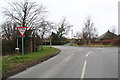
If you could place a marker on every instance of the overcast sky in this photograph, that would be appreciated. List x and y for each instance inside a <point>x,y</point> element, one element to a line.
<point>104,13</point>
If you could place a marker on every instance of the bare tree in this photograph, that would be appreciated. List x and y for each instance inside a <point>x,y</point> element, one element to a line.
<point>8,30</point>
<point>63,28</point>
<point>88,31</point>
<point>44,28</point>
<point>26,14</point>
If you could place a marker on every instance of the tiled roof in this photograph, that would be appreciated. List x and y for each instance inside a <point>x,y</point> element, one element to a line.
<point>108,35</point>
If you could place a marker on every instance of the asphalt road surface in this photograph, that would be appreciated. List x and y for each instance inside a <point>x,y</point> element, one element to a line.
<point>77,62</point>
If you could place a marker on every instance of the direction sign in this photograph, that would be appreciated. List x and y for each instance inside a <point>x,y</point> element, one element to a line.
<point>22,30</point>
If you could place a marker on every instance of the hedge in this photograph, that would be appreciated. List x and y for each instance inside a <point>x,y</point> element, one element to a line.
<point>55,43</point>
<point>8,47</point>
<point>116,42</point>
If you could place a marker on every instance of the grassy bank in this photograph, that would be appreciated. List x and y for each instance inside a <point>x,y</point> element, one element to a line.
<point>73,45</point>
<point>100,45</point>
<point>12,62</point>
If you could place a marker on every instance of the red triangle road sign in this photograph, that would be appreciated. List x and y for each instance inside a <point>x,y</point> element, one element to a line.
<point>22,30</point>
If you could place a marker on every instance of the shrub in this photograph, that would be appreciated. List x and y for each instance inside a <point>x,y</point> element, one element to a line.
<point>8,47</point>
<point>56,43</point>
<point>106,42</point>
<point>116,42</point>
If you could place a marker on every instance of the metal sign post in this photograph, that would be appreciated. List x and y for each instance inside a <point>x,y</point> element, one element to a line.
<point>22,46</point>
<point>22,31</point>
<point>17,42</point>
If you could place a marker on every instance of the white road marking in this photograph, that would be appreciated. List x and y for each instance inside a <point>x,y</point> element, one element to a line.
<point>88,54</point>
<point>83,70</point>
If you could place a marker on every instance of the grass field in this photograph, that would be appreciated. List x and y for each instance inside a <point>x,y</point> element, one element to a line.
<point>13,61</point>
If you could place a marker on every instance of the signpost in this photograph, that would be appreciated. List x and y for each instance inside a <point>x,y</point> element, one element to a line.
<point>22,31</point>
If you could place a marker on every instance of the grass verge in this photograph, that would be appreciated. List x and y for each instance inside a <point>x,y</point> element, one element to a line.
<point>99,45</point>
<point>73,45</point>
<point>13,62</point>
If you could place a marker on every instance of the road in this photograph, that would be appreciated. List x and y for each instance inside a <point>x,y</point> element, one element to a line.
<point>77,62</point>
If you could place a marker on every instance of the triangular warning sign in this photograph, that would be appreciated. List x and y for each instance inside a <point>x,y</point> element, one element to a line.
<point>22,30</point>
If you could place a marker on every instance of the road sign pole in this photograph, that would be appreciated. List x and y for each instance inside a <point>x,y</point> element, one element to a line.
<point>17,42</point>
<point>22,46</point>
<point>22,30</point>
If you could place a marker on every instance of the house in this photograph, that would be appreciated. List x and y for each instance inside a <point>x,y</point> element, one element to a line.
<point>107,37</point>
